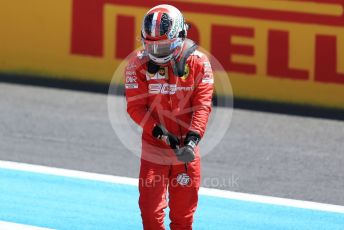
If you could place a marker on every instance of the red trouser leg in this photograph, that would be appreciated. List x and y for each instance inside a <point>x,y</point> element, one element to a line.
<point>183,199</point>
<point>153,182</point>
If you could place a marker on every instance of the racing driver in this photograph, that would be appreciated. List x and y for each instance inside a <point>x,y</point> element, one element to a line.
<point>169,87</point>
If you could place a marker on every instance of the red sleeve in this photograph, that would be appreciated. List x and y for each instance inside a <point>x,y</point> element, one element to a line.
<point>202,95</point>
<point>136,92</point>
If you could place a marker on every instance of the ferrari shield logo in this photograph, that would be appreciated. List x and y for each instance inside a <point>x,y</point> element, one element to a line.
<point>186,72</point>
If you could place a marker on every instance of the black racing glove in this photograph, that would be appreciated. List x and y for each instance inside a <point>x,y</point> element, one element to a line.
<point>160,132</point>
<point>187,153</point>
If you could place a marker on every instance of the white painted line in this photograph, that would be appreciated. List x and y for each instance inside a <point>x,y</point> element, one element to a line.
<point>68,173</point>
<point>272,200</point>
<point>203,191</point>
<point>10,226</point>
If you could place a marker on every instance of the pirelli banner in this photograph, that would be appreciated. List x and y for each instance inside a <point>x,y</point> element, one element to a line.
<point>275,50</point>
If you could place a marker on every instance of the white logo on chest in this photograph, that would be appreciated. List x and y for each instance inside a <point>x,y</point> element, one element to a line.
<point>166,88</point>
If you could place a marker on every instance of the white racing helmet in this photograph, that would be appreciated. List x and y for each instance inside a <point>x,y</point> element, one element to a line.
<point>163,33</point>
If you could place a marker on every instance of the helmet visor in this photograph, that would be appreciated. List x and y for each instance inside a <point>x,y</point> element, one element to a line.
<point>162,48</point>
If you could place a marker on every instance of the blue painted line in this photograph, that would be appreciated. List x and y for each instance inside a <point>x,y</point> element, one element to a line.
<point>68,203</point>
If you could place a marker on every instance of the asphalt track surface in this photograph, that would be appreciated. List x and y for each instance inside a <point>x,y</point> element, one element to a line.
<point>261,153</point>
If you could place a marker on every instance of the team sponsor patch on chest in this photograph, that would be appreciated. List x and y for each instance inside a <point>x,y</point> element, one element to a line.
<point>132,86</point>
<point>165,88</point>
<point>131,80</point>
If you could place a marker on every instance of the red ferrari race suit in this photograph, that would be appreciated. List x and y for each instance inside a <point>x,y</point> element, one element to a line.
<point>180,104</point>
